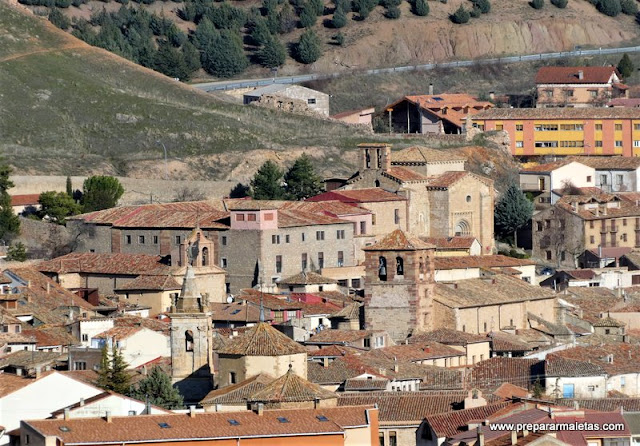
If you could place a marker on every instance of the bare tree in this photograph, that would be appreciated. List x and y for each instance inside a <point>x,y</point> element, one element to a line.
<point>187,193</point>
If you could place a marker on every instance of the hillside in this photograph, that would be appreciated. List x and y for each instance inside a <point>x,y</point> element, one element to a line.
<point>68,108</point>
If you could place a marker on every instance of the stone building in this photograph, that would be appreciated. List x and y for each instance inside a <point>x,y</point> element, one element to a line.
<point>399,285</point>
<point>290,97</point>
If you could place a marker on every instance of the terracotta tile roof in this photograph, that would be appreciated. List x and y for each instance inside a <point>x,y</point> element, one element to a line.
<point>406,407</point>
<point>119,333</point>
<point>624,102</point>
<point>404,174</point>
<point>137,321</point>
<point>569,75</point>
<point>545,168</point>
<point>371,195</point>
<point>351,311</point>
<point>448,106</point>
<point>333,351</point>
<point>625,358</point>
<point>148,428</point>
<point>359,112</point>
<point>237,393</point>
<point>591,301</point>
<point>488,291</point>
<point>608,322</point>
<point>581,274</point>
<point>16,338</point>
<point>518,416</point>
<point>249,204</point>
<point>508,390</point>
<point>25,200</point>
<point>492,261</point>
<point>556,365</point>
<point>307,278</point>
<point>270,301</point>
<point>291,388</point>
<point>449,423</point>
<point>446,180</point>
<point>506,342</point>
<point>102,263</point>
<point>417,351</point>
<point>447,243</point>
<point>609,162</point>
<point>9,383</point>
<point>333,208</point>
<point>330,336</point>
<point>492,373</point>
<point>603,404</point>
<point>336,373</point>
<point>27,359</point>
<point>399,240</point>
<point>46,336</point>
<point>425,155</point>
<point>559,113</point>
<point>295,218</point>
<point>235,312</point>
<point>362,384</point>
<point>154,282</point>
<point>262,340</point>
<point>592,418</point>
<point>447,336</point>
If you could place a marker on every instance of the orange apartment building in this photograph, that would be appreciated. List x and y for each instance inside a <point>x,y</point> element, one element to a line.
<point>336,426</point>
<point>565,131</point>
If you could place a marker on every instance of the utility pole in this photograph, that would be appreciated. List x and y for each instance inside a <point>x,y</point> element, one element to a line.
<point>166,167</point>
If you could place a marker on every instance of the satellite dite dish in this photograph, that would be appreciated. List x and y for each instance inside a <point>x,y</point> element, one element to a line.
<point>229,298</point>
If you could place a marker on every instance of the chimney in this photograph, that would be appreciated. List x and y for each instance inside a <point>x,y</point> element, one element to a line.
<point>385,159</point>
<point>107,416</point>
<point>192,411</point>
<point>479,436</point>
<point>81,402</point>
<point>514,437</point>
<point>580,75</point>
<point>48,287</point>
<point>576,405</point>
<point>67,414</point>
<point>492,95</point>
<point>259,409</point>
<point>431,89</point>
<point>325,362</point>
<point>574,205</point>
<point>38,372</point>
<point>525,432</point>
<point>29,284</point>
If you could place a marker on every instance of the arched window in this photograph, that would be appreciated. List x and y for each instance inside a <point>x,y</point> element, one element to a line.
<point>462,228</point>
<point>205,256</point>
<point>382,269</point>
<point>399,266</point>
<point>421,267</point>
<point>377,183</point>
<point>188,340</point>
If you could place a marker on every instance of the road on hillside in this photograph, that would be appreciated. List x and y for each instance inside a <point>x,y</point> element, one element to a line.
<point>247,83</point>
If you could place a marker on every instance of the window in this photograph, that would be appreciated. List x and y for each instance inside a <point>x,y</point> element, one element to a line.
<point>624,237</point>
<point>340,234</point>
<point>563,256</point>
<point>340,258</point>
<point>547,224</point>
<point>548,93</point>
<point>568,93</point>
<point>623,381</point>
<point>268,216</point>
<point>380,439</point>
<point>598,126</point>
<point>593,94</point>
<point>251,217</point>
<point>382,269</point>
<point>127,239</point>
<point>223,240</point>
<point>363,227</point>
<point>598,143</point>
<point>275,239</point>
<point>223,262</point>
<point>468,198</point>
<point>499,127</point>
<point>624,222</point>
<point>485,327</point>
<point>311,101</point>
<point>79,365</point>
<point>539,226</point>
<point>321,260</point>
<point>355,283</point>
<point>572,127</point>
<point>591,224</point>
<point>188,341</point>
<point>519,127</point>
<point>85,337</point>
<point>603,179</point>
<point>141,239</point>
<point>303,237</point>
<point>278,264</point>
<point>619,179</point>
<point>178,239</point>
<point>546,127</point>
<point>396,216</point>
<point>26,439</point>
<point>548,255</point>
<point>618,127</point>
<point>519,144</point>
<point>239,217</point>
<point>367,342</point>
<point>393,440</point>
<point>232,377</point>
<point>636,126</point>
<point>571,143</point>
<point>155,239</point>
<point>303,261</point>
<point>618,144</point>
<point>588,178</point>
<point>287,239</point>
<point>636,143</point>
<point>319,235</point>
<point>373,219</point>
<point>592,239</point>
<point>591,388</point>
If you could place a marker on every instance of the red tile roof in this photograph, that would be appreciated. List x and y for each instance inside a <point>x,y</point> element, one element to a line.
<point>333,351</point>
<point>25,200</point>
<point>508,390</point>
<point>569,75</point>
<point>448,106</point>
<point>371,195</point>
<point>262,340</point>
<point>405,174</point>
<point>237,393</point>
<point>449,423</point>
<point>307,278</point>
<point>609,162</point>
<point>119,333</point>
<point>446,180</point>
<point>399,240</point>
<point>492,373</point>
<point>447,243</point>
<point>102,263</point>
<point>492,261</point>
<point>417,351</point>
<point>625,357</point>
<point>545,168</point>
<point>447,336</point>
<point>145,282</point>
<point>291,388</point>
<point>295,218</point>
<point>558,113</point>
<point>340,336</point>
<point>423,155</point>
<point>149,428</point>
<point>51,336</point>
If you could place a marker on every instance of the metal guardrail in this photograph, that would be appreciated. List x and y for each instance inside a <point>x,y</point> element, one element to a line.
<point>232,85</point>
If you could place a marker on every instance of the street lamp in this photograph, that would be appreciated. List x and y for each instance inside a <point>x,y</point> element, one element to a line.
<point>166,168</point>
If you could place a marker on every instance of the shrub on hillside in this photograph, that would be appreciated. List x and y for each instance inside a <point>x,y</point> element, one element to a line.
<point>338,39</point>
<point>286,19</point>
<point>483,5</point>
<point>393,12</point>
<point>308,15</point>
<point>272,54</point>
<point>475,12</point>
<point>318,6</point>
<point>309,48</point>
<point>609,7</point>
<point>420,8</point>
<point>537,4</point>
<point>59,19</point>
<point>629,7</point>
<point>460,16</point>
<point>339,18</point>
<point>560,3</point>
<point>225,56</point>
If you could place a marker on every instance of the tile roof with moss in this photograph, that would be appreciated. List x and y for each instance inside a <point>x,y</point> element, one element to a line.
<point>335,336</point>
<point>238,393</point>
<point>447,336</point>
<point>615,358</point>
<point>262,340</point>
<point>307,278</point>
<point>291,388</point>
<point>151,283</point>
<point>101,263</point>
<point>489,261</point>
<point>608,322</point>
<point>399,240</point>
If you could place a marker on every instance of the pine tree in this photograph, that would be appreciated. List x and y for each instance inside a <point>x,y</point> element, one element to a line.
<point>421,8</point>
<point>57,206</point>
<point>17,252</point>
<point>191,57</point>
<point>100,192</point>
<point>120,378</point>
<point>159,391</point>
<point>363,7</point>
<point>561,3</point>
<point>625,66</point>
<point>301,180</point>
<point>483,5</point>
<point>59,19</point>
<point>104,373</point>
<point>225,57</point>
<point>392,12</point>
<point>629,7</point>
<point>239,191</point>
<point>169,61</point>
<point>537,4</point>
<point>9,222</point>
<point>205,34</point>
<point>475,12</point>
<point>318,6</point>
<point>272,54</point>
<point>267,183</point>
<point>610,7</point>
<point>260,32</point>
<point>512,212</point>
<point>308,15</point>
<point>286,19</point>
<point>460,16</point>
<point>308,48</point>
<point>340,18</point>
<point>69,187</point>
